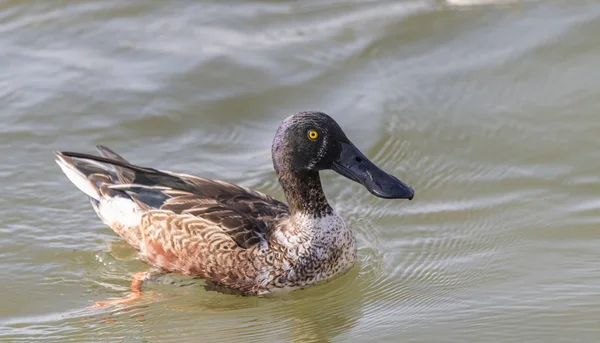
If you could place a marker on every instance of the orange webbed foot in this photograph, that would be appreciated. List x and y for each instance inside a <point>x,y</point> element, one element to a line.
<point>136,292</point>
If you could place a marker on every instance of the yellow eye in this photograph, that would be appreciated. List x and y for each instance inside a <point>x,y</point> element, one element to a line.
<point>313,135</point>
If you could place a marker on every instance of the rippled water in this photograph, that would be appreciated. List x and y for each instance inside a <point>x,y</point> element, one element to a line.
<point>488,109</point>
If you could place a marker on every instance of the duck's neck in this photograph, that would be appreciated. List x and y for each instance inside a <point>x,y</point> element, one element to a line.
<point>304,193</point>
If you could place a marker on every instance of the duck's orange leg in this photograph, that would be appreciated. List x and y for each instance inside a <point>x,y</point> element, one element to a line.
<point>136,291</point>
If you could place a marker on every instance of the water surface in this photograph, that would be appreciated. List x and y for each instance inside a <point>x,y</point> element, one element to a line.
<point>490,111</point>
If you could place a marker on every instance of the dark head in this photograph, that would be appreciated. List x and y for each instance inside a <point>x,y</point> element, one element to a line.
<point>311,141</point>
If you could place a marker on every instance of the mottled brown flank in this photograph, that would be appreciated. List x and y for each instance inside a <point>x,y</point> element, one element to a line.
<point>292,257</point>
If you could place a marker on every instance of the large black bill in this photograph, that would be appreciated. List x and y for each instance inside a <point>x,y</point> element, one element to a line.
<point>355,166</point>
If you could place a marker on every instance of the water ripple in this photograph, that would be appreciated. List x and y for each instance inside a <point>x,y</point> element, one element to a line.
<point>487,112</point>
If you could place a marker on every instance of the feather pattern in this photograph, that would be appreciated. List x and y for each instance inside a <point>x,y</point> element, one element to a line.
<point>228,234</point>
<point>245,215</point>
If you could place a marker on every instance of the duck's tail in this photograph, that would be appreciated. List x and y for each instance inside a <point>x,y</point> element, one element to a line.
<point>90,175</point>
<point>96,176</point>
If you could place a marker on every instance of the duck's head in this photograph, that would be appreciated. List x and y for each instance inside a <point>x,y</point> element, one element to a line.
<point>313,141</point>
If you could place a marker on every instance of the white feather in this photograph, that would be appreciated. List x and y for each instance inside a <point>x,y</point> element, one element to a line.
<point>119,210</point>
<point>112,210</point>
<point>78,179</point>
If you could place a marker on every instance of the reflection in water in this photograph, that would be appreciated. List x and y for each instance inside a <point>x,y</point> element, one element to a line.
<point>319,314</point>
<point>325,312</point>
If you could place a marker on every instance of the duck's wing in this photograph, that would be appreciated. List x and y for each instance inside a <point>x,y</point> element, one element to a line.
<point>244,214</point>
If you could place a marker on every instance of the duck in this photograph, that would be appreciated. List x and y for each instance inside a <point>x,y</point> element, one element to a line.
<point>240,239</point>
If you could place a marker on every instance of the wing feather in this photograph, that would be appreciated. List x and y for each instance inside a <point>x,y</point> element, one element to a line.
<point>243,214</point>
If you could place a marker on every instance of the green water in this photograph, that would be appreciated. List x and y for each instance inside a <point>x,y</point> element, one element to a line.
<point>491,112</point>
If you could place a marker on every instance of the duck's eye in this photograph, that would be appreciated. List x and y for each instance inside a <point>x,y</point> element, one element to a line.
<point>313,135</point>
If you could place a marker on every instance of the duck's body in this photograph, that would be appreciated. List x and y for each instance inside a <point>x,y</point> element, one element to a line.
<point>240,238</point>
<point>234,236</point>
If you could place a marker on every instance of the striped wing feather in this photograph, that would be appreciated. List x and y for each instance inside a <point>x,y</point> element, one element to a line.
<point>246,216</point>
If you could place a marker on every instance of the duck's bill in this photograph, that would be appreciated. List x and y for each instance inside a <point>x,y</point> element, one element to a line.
<point>357,167</point>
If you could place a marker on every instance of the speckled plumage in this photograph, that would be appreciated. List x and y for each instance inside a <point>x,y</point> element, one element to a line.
<point>236,237</point>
